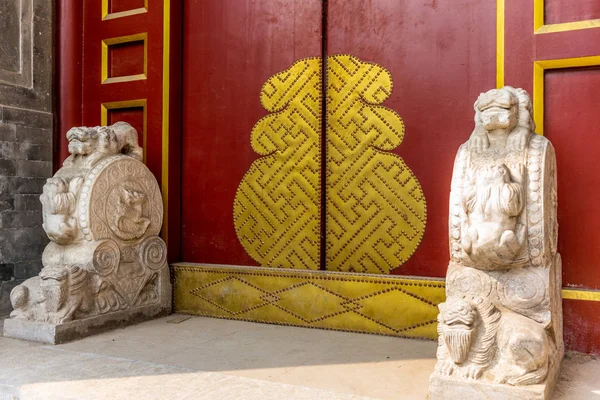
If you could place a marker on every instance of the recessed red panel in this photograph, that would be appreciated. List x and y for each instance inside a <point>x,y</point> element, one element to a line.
<point>571,123</point>
<point>126,59</point>
<point>561,11</point>
<point>230,48</point>
<point>115,6</point>
<point>134,116</point>
<point>441,55</point>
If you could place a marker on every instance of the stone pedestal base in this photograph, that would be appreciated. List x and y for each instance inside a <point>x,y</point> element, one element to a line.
<point>19,328</point>
<point>449,388</point>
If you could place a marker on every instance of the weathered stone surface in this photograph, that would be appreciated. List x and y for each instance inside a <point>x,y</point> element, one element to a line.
<point>105,264</point>
<point>27,35</point>
<point>55,334</point>
<point>500,329</point>
<point>26,119</point>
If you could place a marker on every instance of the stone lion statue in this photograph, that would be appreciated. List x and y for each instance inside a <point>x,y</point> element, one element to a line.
<point>102,212</point>
<point>502,115</point>
<point>94,143</point>
<point>475,337</point>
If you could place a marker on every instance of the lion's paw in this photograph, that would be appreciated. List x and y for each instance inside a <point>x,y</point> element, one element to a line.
<point>445,367</point>
<point>479,142</point>
<point>472,372</point>
<point>517,140</point>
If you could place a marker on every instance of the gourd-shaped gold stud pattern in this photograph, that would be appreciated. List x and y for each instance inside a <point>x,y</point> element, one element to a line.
<point>375,209</point>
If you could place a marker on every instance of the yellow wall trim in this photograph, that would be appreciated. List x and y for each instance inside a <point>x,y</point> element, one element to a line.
<point>165,116</point>
<point>107,15</point>
<point>573,294</point>
<point>499,43</point>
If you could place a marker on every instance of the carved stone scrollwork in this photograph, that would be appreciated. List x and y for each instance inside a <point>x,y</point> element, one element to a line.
<point>500,329</point>
<point>102,212</point>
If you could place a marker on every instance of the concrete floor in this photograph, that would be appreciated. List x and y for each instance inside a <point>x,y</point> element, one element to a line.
<point>203,358</point>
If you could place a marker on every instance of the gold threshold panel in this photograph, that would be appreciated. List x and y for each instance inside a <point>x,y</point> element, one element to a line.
<point>380,304</point>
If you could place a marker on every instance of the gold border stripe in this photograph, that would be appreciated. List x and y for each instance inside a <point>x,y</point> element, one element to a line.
<point>539,67</point>
<point>106,15</point>
<point>499,43</point>
<point>165,117</point>
<point>588,295</point>
<point>538,14</point>
<point>569,26</point>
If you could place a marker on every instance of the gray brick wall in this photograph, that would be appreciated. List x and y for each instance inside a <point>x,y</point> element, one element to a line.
<point>25,164</point>
<point>26,122</point>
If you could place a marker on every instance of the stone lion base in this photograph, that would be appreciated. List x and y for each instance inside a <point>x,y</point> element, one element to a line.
<point>23,329</point>
<point>449,388</point>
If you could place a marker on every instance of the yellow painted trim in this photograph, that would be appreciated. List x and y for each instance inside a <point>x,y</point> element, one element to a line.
<point>106,43</point>
<point>106,15</point>
<point>539,67</point>
<point>538,14</point>
<point>165,116</point>
<point>589,295</point>
<point>381,304</point>
<point>569,26</point>
<point>500,43</point>
<point>118,105</point>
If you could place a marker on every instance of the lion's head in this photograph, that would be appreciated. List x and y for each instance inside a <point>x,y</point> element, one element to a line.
<point>91,144</point>
<point>503,112</point>
<point>467,326</point>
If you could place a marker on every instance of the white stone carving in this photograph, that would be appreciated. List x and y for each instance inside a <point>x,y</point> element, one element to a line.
<point>500,329</point>
<point>105,264</point>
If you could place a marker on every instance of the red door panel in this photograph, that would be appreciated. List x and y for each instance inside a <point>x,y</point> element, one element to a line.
<point>230,48</point>
<point>441,55</point>
<point>571,107</point>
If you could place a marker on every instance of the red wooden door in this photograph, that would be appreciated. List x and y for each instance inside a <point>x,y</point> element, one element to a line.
<point>230,49</point>
<point>440,56</point>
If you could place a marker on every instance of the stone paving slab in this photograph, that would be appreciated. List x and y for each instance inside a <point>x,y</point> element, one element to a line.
<point>215,359</point>
<point>37,372</point>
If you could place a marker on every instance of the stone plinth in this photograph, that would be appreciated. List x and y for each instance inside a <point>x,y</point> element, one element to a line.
<point>449,388</point>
